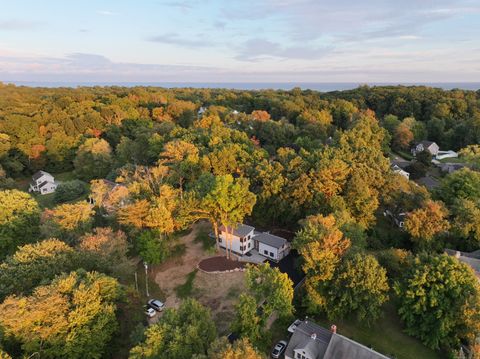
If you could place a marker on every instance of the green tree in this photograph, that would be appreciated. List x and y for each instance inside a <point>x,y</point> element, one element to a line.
<point>74,317</point>
<point>179,334</point>
<point>247,323</point>
<point>93,160</point>
<point>462,184</point>
<point>70,190</point>
<point>152,247</point>
<point>358,287</point>
<point>19,220</point>
<point>466,222</point>
<point>440,301</point>
<point>272,286</point>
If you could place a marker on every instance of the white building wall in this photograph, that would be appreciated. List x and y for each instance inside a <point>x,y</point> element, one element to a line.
<point>268,251</point>
<point>235,243</point>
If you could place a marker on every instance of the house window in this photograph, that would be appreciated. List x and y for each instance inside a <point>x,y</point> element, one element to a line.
<point>265,252</point>
<point>220,239</point>
<point>271,254</point>
<point>249,244</point>
<point>241,248</point>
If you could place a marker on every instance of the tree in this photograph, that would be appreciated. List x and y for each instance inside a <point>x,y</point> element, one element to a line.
<point>272,286</point>
<point>94,159</point>
<point>180,333</point>
<point>71,216</point>
<point>425,223</point>
<point>466,222</point>
<point>402,137</point>
<point>72,317</point>
<point>462,184</point>
<point>19,220</point>
<point>440,301</point>
<point>70,190</point>
<point>224,200</point>
<point>241,349</point>
<point>108,249</point>
<point>33,263</point>
<point>152,247</point>
<point>471,154</point>
<point>247,323</point>
<point>358,287</point>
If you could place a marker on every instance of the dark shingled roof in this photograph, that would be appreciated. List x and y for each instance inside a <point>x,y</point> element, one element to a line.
<point>270,240</point>
<point>241,230</point>
<point>39,174</point>
<point>42,184</point>
<point>327,345</point>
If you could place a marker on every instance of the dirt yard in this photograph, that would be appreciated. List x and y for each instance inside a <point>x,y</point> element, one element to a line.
<point>219,292</point>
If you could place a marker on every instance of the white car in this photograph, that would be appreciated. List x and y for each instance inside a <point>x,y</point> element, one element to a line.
<point>294,325</point>
<point>279,349</point>
<point>150,312</point>
<point>156,304</point>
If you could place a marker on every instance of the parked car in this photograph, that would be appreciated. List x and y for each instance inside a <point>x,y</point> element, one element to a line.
<point>294,325</point>
<point>150,312</point>
<point>279,349</point>
<point>156,304</point>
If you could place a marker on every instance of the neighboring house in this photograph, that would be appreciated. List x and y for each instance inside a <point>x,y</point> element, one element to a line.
<point>311,341</point>
<point>43,182</point>
<point>239,238</point>
<point>472,259</point>
<point>397,217</point>
<point>429,146</point>
<point>446,154</point>
<point>270,246</point>
<point>397,169</point>
<point>116,196</point>
<point>451,167</point>
<point>201,111</point>
<point>243,238</point>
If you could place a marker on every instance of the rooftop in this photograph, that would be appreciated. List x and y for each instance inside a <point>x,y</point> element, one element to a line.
<point>39,174</point>
<point>241,230</point>
<point>270,240</point>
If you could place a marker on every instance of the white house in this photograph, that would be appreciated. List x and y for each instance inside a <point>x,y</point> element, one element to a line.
<point>429,146</point>
<point>397,169</point>
<point>239,238</point>
<point>201,111</point>
<point>270,246</point>
<point>43,182</point>
<point>446,154</point>
<point>311,341</point>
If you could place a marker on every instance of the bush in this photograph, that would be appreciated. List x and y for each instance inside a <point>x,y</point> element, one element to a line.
<point>70,190</point>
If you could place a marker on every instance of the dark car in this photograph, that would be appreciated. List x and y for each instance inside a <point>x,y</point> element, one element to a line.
<point>279,349</point>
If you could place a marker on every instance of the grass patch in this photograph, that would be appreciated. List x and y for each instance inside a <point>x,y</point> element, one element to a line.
<point>46,200</point>
<point>385,336</point>
<point>178,250</point>
<point>185,290</point>
<point>233,292</point>
<point>453,160</point>
<point>208,244</point>
<point>405,155</point>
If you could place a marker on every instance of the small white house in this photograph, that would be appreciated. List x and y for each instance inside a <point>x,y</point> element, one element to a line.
<point>270,246</point>
<point>429,146</point>
<point>240,238</point>
<point>397,169</point>
<point>43,182</point>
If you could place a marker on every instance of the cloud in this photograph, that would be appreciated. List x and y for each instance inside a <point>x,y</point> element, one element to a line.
<point>175,39</point>
<point>260,49</point>
<point>14,25</point>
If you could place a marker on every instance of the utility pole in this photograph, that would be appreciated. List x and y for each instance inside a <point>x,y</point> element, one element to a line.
<point>136,281</point>
<point>146,277</point>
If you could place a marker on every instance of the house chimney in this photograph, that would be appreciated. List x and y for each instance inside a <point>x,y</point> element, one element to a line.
<point>457,254</point>
<point>333,329</point>
<point>313,336</point>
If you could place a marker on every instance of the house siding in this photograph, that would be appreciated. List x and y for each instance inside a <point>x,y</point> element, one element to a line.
<point>237,245</point>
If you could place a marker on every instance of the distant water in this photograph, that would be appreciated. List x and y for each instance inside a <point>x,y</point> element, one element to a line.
<point>318,86</point>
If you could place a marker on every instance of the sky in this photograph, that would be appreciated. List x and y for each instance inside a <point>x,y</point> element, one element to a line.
<point>240,41</point>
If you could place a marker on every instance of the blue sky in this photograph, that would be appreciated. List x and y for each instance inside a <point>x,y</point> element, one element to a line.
<point>240,41</point>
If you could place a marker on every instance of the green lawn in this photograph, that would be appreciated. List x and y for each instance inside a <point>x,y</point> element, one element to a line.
<point>385,336</point>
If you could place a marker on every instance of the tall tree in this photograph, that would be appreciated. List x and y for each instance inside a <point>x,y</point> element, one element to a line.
<point>94,159</point>
<point>247,323</point>
<point>440,301</point>
<point>19,220</point>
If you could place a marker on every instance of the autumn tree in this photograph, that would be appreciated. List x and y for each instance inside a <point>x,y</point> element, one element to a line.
<point>94,159</point>
<point>69,217</point>
<point>19,220</point>
<point>179,333</point>
<point>402,137</point>
<point>72,317</point>
<point>33,263</point>
<point>425,223</point>
<point>240,349</point>
<point>440,301</point>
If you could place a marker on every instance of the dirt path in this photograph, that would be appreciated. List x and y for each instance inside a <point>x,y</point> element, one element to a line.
<point>173,273</point>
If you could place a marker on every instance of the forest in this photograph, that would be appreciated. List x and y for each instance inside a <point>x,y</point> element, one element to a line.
<point>138,166</point>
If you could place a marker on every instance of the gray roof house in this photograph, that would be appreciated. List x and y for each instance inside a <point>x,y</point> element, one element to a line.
<point>241,230</point>
<point>429,146</point>
<point>43,182</point>
<point>311,341</point>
